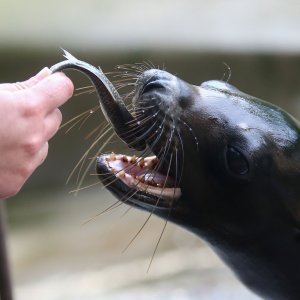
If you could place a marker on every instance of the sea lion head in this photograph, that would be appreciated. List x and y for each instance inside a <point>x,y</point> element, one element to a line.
<point>226,166</point>
<point>223,161</point>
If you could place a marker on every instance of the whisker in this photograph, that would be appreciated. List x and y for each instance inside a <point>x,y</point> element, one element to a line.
<point>136,130</point>
<point>85,87</point>
<point>228,72</point>
<point>156,246</point>
<point>182,153</point>
<point>88,116</point>
<point>137,234</point>
<point>109,208</point>
<point>85,187</point>
<point>82,115</point>
<point>192,133</point>
<point>89,91</point>
<point>96,129</point>
<point>86,153</point>
<point>126,211</point>
<point>92,161</point>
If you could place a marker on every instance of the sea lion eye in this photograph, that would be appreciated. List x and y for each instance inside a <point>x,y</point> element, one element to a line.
<point>236,162</point>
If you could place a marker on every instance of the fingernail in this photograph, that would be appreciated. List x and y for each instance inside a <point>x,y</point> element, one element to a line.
<point>43,73</point>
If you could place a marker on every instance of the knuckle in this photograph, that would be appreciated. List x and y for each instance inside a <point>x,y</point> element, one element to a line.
<point>53,123</point>
<point>25,171</point>
<point>58,117</point>
<point>20,176</point>
<point>32,146</point>
<point>10,190</point>
<point>45,151</point>
<point>44,154</point>
<point>32,108</point>
<point>15,190</point>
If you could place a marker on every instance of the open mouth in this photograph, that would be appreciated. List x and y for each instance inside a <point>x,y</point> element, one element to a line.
<point>145,181</point>
<point>138,180</point>
<point>135,180</point>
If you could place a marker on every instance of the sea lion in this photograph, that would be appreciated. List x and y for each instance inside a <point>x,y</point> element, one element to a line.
<point>226,166</point>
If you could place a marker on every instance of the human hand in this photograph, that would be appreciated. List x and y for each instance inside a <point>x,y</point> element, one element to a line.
<point>29,117</point>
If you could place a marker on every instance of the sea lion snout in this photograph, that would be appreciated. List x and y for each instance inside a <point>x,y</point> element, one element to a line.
<point>165,91</point>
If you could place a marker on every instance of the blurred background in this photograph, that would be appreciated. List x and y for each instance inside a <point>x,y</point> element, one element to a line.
<point>53,256</point>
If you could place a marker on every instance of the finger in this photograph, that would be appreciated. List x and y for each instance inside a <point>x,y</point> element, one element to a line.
<point>41,155</point>
<point>37,160</point>
<point>52,123</point>
<point>16,86</point>
<point>52,91</point>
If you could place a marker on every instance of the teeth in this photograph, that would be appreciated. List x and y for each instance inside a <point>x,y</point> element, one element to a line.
<point>114,162</point>
<point>146,180</point>
<point>140,178</point>
<point>112,156</point>
<point>124,158</point>
<point>149,182</point>
<point>150,162</point>
<point>141,163</point>
<point>133,159</point>
<point>149,177</point>
<point>121,174</point>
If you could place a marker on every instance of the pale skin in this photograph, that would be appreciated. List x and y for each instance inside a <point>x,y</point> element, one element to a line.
<point>29,118</point>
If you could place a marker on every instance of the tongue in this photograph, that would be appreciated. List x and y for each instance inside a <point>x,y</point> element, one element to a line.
<point>141,169</point>
<point>157,179</point>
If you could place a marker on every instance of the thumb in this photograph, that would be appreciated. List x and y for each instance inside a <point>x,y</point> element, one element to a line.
<point>16,86</point>
<point>33,80</point>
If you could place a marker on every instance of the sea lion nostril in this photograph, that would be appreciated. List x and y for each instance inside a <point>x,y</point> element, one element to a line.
<point>153,85</point>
